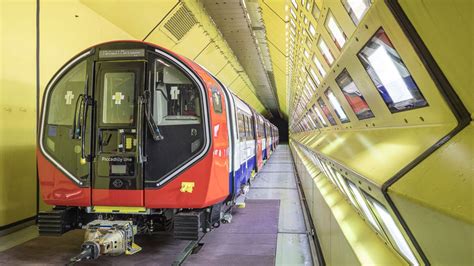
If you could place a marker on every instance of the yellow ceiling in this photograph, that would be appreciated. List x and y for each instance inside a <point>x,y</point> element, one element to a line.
<point>274,13</point>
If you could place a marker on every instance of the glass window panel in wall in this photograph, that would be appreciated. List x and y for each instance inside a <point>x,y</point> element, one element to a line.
<point>336,106</point>
<point>390,75</point>
<point>326,112</point>
<point>324,49</point>
<point>356,9</point>
<point>319,66</point>
<point>316,110</point>
<point>353,96</point>
<point>336,32</point>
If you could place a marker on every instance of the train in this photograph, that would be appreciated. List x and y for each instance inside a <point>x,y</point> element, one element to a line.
<point>136,139</point>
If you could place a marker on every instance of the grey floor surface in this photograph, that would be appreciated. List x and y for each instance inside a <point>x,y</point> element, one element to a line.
<point>277,180</point>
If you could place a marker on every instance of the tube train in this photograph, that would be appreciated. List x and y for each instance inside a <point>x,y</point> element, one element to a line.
<point>135,134</point>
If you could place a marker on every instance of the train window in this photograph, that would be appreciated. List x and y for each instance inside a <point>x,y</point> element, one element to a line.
<point>336,106</point>
<point>176,98</point>
<point>337,34</point>
<point>216,100</point>
<point>356,9</point>
<point>63,99</point>
<point>241,125</point>
<point>353,96</point>
<point>390,75</point>
<point>324,49</point>
<point>319,66</point>
<point>118,98</point>
<point>319,115</point>
<point>249,128</point>
<point>65,94</point>
<point>326,112</point>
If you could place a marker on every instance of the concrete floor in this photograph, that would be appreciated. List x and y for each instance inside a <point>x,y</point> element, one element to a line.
<point>277,181</point>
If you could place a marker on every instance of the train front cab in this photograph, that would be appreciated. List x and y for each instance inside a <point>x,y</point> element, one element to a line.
<point>128,124</point>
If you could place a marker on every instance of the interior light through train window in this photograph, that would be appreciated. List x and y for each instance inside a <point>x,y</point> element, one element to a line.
<point>394,232</point>
<point>363,205</point>
<point>336,106</point>
<point>326,111</point>
<point>325,51</point>
<point>353,96</point>
<point>337,34</point>
<point>390,75</point>
<point>319,66</point>
<point>356,9</point>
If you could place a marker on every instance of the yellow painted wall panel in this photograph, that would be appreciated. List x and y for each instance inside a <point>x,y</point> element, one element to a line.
<point>345,238</point>
<point>193,43</point>
<point>446,28</point>
<point>17,111</point>
<point>211,59</point>
<point>137,18</point>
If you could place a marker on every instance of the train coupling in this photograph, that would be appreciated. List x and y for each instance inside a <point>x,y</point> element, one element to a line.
<point>104,237</point>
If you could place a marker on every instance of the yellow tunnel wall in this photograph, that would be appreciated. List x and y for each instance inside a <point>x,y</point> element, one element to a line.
<point>66,28</point>
<point>18,111</point>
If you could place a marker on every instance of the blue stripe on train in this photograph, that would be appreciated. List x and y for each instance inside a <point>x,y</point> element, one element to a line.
<point>243,174</point>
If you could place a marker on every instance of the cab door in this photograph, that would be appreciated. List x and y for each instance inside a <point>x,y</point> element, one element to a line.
<point>117,168</point>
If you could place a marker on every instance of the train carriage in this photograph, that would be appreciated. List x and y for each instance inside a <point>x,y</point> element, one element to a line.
<point>132,132</point>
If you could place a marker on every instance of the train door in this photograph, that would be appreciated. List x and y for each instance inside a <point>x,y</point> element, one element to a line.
<point>117,178</point>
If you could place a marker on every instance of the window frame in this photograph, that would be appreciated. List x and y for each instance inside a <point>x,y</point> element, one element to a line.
<point>331,33</point>
<point>390,106</point>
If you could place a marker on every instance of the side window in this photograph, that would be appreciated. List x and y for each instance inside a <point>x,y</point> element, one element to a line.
<point>252,128</point>
<point>64,98</point>
<point>241,126</point>
<point>176,99</point>
<point>390,75</point>
<point>216,101</point>
<point>353,96</point>
<point>177,110</point>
